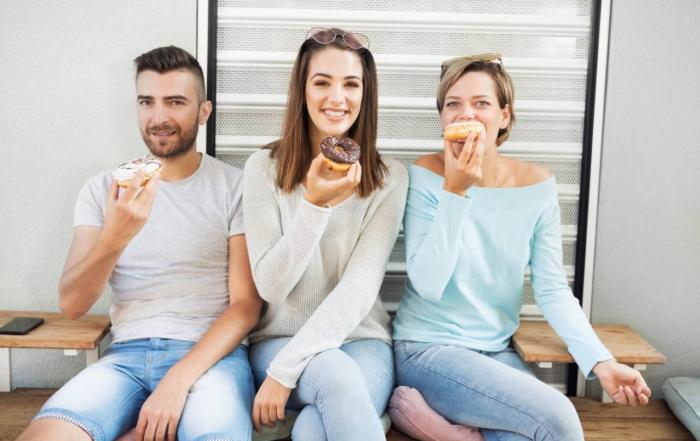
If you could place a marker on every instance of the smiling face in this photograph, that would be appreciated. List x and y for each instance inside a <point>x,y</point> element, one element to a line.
<point>473,98</point>
<point>169,111</point>
<point>333,91</point>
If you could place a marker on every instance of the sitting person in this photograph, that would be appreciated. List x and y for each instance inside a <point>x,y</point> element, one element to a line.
<point>183,298</point>
<point>319,239</point>
<point>475,219</point>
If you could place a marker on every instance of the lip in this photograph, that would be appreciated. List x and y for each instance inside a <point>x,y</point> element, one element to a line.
<point>163,133</point>
<point>335,114</point>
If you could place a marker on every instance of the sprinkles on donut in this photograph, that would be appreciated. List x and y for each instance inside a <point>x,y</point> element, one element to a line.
<point>126,172</point>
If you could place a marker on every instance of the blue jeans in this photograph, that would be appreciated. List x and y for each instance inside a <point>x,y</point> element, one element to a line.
<point>342,392</point>
<point>105,398</point>
<point>494,391</point>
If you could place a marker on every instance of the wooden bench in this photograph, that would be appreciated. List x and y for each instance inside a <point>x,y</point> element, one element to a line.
<point>57,332</point>
<point>601,422</point>
<point>536,342</point>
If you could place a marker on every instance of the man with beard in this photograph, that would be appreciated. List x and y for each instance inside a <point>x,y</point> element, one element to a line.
<point>183,298</point>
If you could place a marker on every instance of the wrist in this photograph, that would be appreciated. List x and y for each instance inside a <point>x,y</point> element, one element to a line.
<point>455,189</point>
<point>602,368</point>
<point>315,200</point>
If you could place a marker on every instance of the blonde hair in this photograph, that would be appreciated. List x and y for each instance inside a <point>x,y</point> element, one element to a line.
<point>490,64</point>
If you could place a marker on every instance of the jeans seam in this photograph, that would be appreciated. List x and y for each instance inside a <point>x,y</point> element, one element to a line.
<point>541,423</point>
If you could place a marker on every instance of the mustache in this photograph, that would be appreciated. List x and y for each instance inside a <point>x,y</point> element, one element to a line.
<point>161,128</point>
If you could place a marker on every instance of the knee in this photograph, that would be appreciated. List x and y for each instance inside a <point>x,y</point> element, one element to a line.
<point>335,374</point>
<point>561,422</point>
<point>309,425</point>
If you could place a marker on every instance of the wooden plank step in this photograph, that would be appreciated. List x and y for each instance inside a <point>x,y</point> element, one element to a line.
<point>537,342</point>
<point>609,422</point>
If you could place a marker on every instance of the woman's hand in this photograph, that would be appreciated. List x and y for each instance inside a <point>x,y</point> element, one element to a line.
<point>624,384</point>
<point>463,164</point>
<point>320,190</point>
<point>160,413</point>
<point>269,403</point>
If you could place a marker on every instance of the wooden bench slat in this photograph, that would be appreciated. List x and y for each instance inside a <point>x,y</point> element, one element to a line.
<point>57,331</point>
<point>537,342</point>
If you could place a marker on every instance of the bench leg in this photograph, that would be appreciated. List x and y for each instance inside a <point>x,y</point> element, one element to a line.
<point>5,370</point>
<point>92,355</point>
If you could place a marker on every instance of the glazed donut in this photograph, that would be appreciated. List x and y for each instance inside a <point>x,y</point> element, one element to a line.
<point>126,172</point>
<point>339,153</point>
<point>458,131</point>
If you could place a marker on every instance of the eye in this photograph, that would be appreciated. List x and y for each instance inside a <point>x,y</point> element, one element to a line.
<point>321,83</point>
<point>452,104</point>
<point>353,84</point>
<point>482,104</point>
<point>144,102</point>
<point>178,103</point>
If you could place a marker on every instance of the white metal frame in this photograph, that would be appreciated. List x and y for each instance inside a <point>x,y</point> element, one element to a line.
<point>596,150</point>
<point>201,55</point>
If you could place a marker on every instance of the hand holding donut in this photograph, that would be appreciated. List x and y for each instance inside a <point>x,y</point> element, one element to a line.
<point>320,190</point>
<point>462,161</point>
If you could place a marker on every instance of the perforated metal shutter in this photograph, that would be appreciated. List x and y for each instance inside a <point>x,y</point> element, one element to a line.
<point>544,43</point>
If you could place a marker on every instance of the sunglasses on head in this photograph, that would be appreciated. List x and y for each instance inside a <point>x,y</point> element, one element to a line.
<point>484,58</point>
<point>353,40</point>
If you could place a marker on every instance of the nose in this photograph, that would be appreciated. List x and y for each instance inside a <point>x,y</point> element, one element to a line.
<point>160,114</point>
<point>335,94</point>
<point>467,113</point>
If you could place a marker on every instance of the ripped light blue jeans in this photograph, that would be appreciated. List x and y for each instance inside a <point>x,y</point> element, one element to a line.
<point>494,391</point>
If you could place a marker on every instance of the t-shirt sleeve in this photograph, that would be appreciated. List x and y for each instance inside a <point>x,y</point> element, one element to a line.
<point>90,206</point>
<point>235,215</point>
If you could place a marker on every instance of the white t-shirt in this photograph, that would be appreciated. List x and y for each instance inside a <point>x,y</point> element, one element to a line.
<point>171,281</point>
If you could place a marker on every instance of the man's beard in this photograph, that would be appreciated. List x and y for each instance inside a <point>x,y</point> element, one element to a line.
<point>185,143</point>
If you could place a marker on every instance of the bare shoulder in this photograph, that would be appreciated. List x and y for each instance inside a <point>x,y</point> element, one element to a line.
<point>432,162</point>
<point>526,173</point>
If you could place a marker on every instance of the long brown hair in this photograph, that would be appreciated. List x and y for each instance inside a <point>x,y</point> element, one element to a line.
<point>292,151</point>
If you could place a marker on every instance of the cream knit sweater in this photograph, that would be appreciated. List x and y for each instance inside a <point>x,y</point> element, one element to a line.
<point>319,269</point>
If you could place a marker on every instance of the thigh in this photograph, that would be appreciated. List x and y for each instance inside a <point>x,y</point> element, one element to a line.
<point>473,389</point>
<point>375,360</point>
<point>261,355</point>
<point>511,358</point>
<point>220,402</point>
<point>105,398</point>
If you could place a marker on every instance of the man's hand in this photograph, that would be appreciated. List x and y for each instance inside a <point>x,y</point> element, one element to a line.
<point>125,215</point>
<point>624,384</point>
<point>160,413</point>
<point>269,403</point>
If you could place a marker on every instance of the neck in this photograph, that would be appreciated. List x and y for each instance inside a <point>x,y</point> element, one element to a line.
<point>491,169</point>
<point>180,167</point>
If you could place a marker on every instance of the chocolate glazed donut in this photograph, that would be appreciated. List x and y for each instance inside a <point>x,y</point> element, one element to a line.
<point>339,153</point>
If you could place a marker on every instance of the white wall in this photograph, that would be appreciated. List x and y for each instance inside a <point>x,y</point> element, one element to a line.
<point>647,265</point>
<point>68,112</point>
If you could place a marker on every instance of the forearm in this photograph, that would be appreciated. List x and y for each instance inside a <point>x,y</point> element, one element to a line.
<point>433,245</point>
<point>82,284</point>
<point>224,335</point>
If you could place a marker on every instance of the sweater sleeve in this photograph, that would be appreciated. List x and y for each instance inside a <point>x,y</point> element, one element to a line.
<point>278,258</point>
<point>432,229</point>
<point>554,297</point>
<point>352,298</point>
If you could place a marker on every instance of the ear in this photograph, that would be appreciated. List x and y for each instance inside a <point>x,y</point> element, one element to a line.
<point>204,112</point>
<point>505,116</point>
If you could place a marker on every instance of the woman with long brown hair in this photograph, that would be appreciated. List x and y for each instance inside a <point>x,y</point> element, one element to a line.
<point>319,241</point>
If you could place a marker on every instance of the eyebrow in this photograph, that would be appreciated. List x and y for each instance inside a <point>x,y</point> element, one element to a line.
<point>452,97</point>
<point>325,75</point>
<point>169,97</point>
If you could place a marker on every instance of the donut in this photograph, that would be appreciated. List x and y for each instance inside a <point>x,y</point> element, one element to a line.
<point>458,131</point>
<point>126,172</point>
<point>339,153</point>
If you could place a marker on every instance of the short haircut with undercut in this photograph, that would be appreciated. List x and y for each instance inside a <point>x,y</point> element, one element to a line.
<point>169,58</point>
